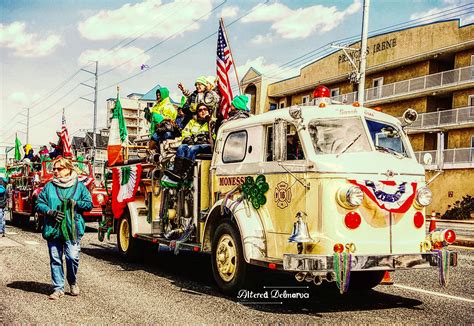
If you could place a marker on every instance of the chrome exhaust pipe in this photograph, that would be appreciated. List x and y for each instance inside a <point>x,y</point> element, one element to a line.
<point>330,276</point>
<point>300,276</point>
<point>318,280</point>
<point>309,277</point>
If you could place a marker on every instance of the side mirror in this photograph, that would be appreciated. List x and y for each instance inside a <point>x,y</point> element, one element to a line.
<point>410,116</point>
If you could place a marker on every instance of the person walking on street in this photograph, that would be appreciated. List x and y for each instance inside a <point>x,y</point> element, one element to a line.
<point>62,202</point>
<point>3,203</point>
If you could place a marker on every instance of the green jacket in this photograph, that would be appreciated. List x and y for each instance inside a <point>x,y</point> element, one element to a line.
<point>48,199</point>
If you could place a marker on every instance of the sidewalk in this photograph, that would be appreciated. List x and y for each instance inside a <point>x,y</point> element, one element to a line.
<point>464,242</point>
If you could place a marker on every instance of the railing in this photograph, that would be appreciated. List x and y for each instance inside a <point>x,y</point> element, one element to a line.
<point>429,82</point>
<point>451,157</point>
<point>444,118</point>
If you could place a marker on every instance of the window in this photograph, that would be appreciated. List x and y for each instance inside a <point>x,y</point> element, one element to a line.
<point>377,85</point>
<point>269,144</point>
<point>273,106</point>
<point>282,104</point>
<point>305,99</point>
<point>294,150</point>
<point>235,147</point>
<point>334,92</point>
<point>338,135</point>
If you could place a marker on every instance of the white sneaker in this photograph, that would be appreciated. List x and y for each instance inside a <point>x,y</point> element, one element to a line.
<point>75,290</point>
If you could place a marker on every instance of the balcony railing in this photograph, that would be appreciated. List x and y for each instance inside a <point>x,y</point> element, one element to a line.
<point>419,84</point>
<point>456,157</point>
<point>444,118</point>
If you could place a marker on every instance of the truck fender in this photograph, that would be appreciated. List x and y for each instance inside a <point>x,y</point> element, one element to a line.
<point>248,221</point>
<point>138,222</point>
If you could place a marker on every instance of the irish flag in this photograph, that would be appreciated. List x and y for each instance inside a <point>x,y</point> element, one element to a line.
<point>118,136</point>
<point>17,148</point>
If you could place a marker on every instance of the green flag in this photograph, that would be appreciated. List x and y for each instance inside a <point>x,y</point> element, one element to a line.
<point>17,148</point>
<point>118,114</point>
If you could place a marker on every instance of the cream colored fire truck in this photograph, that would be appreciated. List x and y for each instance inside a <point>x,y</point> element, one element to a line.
<point>326,191</point>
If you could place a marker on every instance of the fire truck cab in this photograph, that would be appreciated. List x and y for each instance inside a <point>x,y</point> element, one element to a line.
<point>322,191</point>
<point>28,179</point>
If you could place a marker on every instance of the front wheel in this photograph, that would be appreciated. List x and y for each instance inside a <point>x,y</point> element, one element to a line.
<point>229,268</point>
<point>129,247</point>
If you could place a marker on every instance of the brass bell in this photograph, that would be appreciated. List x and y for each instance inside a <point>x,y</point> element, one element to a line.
<point>300,232</point>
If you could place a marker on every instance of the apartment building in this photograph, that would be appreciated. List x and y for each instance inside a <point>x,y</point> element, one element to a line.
<point>429,68</point>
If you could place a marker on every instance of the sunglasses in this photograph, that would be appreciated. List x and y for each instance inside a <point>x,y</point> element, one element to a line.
<point>203,109</point>
<point>59,169</point>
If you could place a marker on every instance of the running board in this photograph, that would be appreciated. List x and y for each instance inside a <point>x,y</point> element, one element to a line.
<point>173,244</point>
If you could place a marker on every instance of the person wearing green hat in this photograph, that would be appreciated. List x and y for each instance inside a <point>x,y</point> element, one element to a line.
<point>162,118</point>
<point>180,118</point>
<point>238,108</point>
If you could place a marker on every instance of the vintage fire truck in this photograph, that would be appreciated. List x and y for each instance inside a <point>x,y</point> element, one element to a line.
<point>28,179</point>
<point>329,192</point>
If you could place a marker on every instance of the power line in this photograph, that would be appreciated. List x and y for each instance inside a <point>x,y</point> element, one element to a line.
<point>184,50</point>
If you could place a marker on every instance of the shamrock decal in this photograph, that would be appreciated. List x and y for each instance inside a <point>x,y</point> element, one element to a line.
<point>255,191</point>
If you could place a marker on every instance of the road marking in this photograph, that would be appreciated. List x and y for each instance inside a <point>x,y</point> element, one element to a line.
<point>434,293</point>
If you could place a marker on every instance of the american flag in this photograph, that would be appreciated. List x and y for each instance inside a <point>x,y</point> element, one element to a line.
<point>224,62</point>
<point>64,135</point>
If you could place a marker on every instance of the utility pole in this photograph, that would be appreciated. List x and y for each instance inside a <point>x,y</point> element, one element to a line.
<point>363,53</point>
<point>358,73</point>
<point>95,87</point>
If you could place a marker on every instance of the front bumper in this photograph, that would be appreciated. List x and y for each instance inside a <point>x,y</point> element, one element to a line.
<point>323,263</point>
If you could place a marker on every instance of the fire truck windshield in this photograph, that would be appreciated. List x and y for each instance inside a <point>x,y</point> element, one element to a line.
<point>333,136</point>
<point>387,137</point>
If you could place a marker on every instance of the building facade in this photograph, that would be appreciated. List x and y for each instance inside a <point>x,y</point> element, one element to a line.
<point>429,68</point>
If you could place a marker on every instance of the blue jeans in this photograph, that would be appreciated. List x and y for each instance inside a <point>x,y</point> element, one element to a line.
<point>2,220</point>
<point>191,151</point>
<point>71,251</point>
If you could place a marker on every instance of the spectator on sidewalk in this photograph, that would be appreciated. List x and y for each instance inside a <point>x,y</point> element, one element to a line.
<point>3,203</point>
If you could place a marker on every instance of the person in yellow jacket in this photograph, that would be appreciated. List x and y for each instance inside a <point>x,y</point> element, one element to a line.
<point>162,118</point>
<point>197,139</point>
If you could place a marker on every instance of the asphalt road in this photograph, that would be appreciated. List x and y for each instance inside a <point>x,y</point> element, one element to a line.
<point>169,289</point>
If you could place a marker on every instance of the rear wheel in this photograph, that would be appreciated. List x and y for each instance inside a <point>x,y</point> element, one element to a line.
<point>229,268</point>
<point>129,247</point>
<point>364,281</point>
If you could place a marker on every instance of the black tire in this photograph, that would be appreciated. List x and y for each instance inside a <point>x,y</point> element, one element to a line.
<point>15,219</point>
<point>227,239</point>
<point>365,281</point>
<point>130,248</point>
<point>37,222</point>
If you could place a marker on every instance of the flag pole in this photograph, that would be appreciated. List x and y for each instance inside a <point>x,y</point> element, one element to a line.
<point>233,61</point>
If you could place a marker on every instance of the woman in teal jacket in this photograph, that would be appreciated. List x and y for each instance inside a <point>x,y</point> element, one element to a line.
<point>61,202</point>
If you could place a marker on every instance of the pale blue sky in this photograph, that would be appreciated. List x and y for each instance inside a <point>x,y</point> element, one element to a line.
<point>43,43</point>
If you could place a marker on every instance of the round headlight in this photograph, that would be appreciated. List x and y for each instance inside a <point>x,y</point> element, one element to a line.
<point>100,199</point>
<point>424,197</point>
<point>350,196</point>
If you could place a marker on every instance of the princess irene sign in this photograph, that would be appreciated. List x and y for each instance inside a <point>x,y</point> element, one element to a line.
<point>375,48</point>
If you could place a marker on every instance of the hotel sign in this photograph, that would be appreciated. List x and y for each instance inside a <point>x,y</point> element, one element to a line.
<point>375,48</point>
